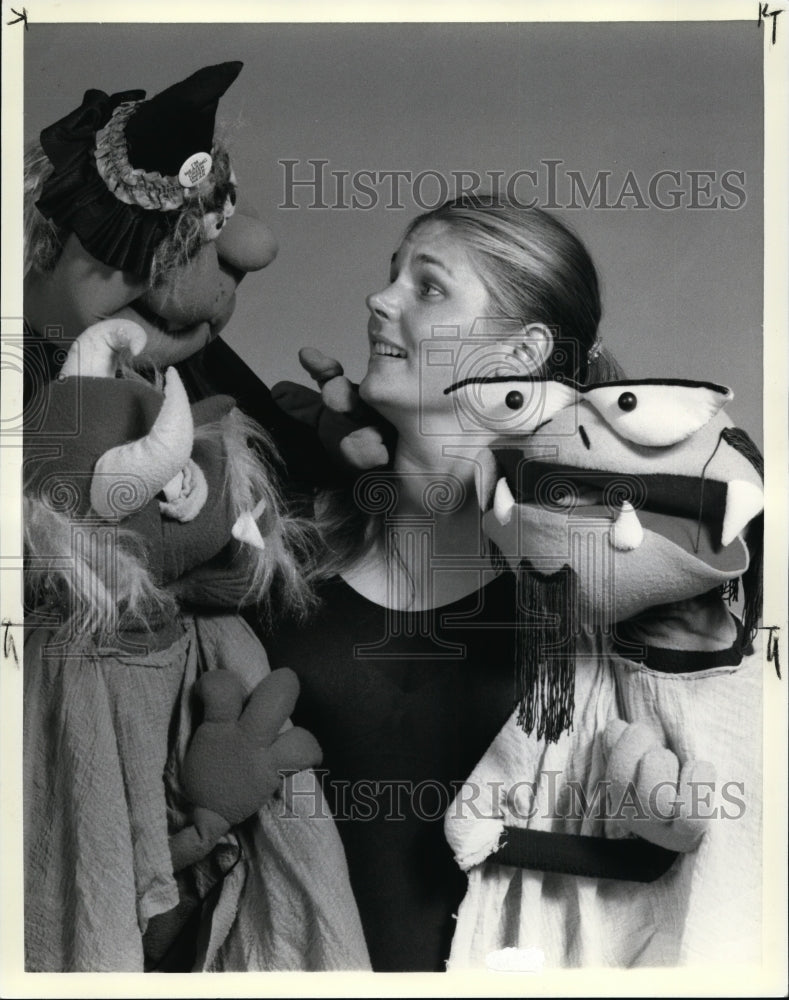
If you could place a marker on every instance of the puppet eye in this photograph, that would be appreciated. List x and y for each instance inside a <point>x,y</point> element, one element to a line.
<point>509,406</point>
<point>514,400</point>
<point>657,413</point>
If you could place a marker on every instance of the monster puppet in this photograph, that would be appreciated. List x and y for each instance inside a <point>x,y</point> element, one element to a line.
<point>616,819</point>
<point>136,815</point>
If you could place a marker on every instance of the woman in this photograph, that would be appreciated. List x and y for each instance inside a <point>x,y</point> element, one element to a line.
<point>406,667</point>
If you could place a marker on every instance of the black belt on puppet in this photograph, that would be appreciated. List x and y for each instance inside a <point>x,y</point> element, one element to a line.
<point>629,859</point>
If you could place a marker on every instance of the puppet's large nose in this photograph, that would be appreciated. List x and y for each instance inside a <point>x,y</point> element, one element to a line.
<point>245,242</point>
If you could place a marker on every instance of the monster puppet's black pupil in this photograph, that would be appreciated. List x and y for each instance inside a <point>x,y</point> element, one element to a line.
<point>627,401</point>
<point>514,399</point>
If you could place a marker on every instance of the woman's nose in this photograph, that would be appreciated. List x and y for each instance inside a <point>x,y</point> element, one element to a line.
<point>382,304</point>
<point>245,243</point>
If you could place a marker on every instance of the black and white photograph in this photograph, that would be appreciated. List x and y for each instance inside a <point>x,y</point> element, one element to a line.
<point>394,542</point>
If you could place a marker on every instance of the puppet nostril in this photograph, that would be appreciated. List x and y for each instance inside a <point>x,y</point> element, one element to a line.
<point>584,436</point>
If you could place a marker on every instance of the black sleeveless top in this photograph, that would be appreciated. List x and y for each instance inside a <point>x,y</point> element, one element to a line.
<point>404,704</point>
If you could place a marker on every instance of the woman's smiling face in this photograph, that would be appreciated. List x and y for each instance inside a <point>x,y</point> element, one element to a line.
<point>434,288</point>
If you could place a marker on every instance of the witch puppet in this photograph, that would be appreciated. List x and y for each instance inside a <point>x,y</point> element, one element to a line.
<point>171,819</point>
<point>132,211</point>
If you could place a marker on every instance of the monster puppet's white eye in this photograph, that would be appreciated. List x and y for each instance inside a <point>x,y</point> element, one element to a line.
<point>656,413</point>
<point>511,405</point>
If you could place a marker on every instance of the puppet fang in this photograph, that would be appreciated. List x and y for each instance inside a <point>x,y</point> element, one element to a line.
<point>743,502</point>
<point>503,502</point>
<point>627,533</point>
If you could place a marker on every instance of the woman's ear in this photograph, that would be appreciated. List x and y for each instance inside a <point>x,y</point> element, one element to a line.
<point>521,349</point>
<point>537,344</point>
<point>532,346</point>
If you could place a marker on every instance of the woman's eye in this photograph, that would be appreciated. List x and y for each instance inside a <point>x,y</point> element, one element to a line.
<point>429,290</point>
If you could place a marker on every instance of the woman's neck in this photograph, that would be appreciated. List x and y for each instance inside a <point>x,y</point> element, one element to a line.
<point>419,461</point>
<point>431,551</point>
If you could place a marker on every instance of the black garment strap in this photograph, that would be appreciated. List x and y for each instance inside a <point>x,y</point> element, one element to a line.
<point>631,859</point>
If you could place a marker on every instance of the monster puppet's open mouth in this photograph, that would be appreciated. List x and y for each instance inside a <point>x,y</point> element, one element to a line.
<point>688,511</point>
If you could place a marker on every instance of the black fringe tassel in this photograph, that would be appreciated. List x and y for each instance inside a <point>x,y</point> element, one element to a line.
<point>752,578</point>
<point>752,582</point>
<point>545,656</point>
<point>730,591</point>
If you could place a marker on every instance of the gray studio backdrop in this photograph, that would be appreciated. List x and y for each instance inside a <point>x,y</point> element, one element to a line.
<point>657,128</point>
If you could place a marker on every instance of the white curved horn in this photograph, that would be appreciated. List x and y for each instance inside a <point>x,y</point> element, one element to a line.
<point>95,351</point>
<point>127,477</point>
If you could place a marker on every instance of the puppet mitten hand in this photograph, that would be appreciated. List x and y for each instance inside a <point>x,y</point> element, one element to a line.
<point>298,401</point>
<point>350,431</point>
<point>651,791</point>
<point>234,762</point>
<point>474,822</point>
<point>365,448</point>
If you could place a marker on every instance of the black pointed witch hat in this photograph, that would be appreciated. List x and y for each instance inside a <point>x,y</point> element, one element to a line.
<point>98,150</point>
<point>165,131</point>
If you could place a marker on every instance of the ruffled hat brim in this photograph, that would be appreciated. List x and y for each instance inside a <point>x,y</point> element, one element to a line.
<point>75,197</point>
